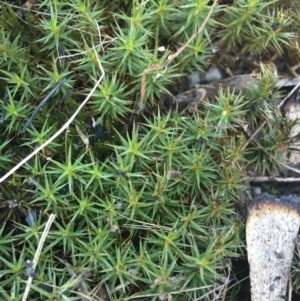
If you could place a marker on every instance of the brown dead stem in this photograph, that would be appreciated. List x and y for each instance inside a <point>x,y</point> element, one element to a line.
<point>171,57</point>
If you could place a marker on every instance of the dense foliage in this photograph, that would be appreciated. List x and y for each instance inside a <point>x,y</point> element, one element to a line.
<point>147,204</point>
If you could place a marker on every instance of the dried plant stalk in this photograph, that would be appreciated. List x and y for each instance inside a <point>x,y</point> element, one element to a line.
<point>174,55</point>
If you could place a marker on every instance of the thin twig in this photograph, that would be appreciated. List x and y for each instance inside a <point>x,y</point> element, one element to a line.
<point>138,296</point>
<point>265,122</point>
<point>286,166</point>
<point>273,179</point>
<point>37,254</point>
<point>288,96</point>
<point>173,56</point>
<point>252,137</point>
<point>82,52</point>
<point>290,287</point>
<point>81,286</point>
<point>64,127</point>
<point>228,280</point>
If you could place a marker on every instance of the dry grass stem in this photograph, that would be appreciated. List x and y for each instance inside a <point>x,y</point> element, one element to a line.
<point>265,122</point>
<point>37,254</point>
<point>273,179</point>
<point>173,56</point>
<point>64,127</point>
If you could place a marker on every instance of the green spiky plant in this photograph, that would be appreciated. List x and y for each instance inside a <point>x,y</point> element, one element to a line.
<point>146,206</point>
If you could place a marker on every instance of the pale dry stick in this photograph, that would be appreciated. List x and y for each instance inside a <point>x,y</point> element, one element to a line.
<point>176,292</point>
<point>221,294</point>
<point>186,291</point>
<point>220,286</point>
<point>64,127</point>
<point>285,99</point>
<point>279,162</point>
<point>264,123</point>
<point>146,225</point>
<point>252,137</point>
<point>226,285</point>
<point>82,291</point>
<point>290,287</point>
<point>207,294</point>
<point>275,179</point>
<point>37,254</point>
<point>83,31</point>
<point>171,57</point>
<point>80,53</point>
<point>255,140</point>
<point>287,167</point>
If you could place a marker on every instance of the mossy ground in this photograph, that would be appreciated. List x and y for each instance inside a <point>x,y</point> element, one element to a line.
<point>147,203</point>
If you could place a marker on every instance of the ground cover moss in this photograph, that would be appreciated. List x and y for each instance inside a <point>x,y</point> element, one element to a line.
<point>147,205</point>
